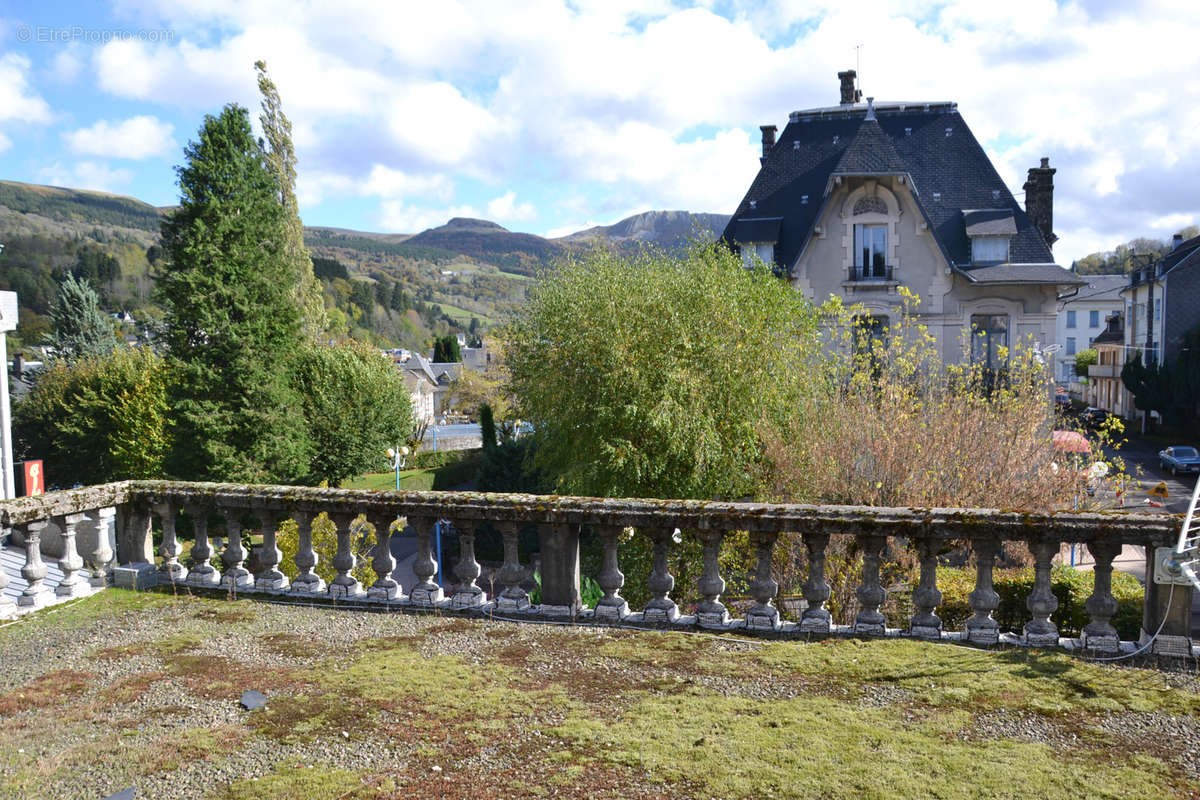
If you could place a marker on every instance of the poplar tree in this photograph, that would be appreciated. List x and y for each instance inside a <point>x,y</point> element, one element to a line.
<point>281,159</point>
<point>231,323</point>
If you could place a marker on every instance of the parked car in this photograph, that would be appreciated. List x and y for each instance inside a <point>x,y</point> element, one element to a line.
<point>1094,417</point>
<point>1179,459</point>
<point>1062,400</point>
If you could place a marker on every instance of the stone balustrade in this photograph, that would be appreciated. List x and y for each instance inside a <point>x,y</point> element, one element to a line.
<point>559,522</point>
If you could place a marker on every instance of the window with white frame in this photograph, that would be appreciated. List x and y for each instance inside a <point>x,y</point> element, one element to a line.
<point>870,251</point>
<point>1093,319</point>
<point>763,251</point>
<point>989,249</point>
<point>1070,319</point>
<point>1070,345</point>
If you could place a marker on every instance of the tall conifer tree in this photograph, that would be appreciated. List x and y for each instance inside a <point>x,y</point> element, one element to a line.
<point>231,320</point>
<point>281,158</point>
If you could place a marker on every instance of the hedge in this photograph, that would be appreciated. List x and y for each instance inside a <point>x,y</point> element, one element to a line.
<point>1072,587</point>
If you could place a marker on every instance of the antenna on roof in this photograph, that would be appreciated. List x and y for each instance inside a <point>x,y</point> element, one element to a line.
<point>858,66</point>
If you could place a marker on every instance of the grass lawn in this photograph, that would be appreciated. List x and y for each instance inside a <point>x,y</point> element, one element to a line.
<point>418,480</point>
<point>142,689</point>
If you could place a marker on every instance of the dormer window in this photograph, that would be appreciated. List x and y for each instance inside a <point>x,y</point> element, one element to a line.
<point>989,250</point>
<point>763,251</point>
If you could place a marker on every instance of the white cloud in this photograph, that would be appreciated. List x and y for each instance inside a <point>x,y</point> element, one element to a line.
<point>5,142</point>
<point>505,208</point>
<point>17,100</point>
<point>86,175</point>
<point>397,216</point>
<point>137,137</point>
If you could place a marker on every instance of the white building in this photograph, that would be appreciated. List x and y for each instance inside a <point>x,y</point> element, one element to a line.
<point>1082,317</point>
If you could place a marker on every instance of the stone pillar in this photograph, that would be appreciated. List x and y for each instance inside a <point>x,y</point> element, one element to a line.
<point>1099,634</point>
<point>36,594</point>
<point>711,612</point>
<point>8,609</point>
<point>763,615</point>
<point>816,618</point>
<point>171,570</point>
<point>661,607</point>
<point>1041,602</point>
<point>468,594</point>
<point>134,541</point>
<point>512,597</point>
<point>426,592</point>
<point>72,585</point>
<point>982,628</point>
<point>202,573</point>
<point>307,581</point>
<point>560,569</point>
<point>102,554</point>
<point>611,607</point>
<point>235,576</point>
<point>871,594</point>
<point>344,583</point>
<point>385,586</point>
<point>926,624</point>
<point>271,578</point>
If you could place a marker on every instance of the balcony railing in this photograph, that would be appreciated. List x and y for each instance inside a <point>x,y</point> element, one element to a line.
<point>125,512</point>
<point>1103,371</point>
<point>870,273</point>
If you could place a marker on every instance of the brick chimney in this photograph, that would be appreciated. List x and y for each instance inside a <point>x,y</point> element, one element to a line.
<point>1039,200</point>
<point>850,95</point>
<point>768,140</point>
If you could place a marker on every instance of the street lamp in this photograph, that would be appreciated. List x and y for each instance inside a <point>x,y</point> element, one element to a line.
<point>398,457</point>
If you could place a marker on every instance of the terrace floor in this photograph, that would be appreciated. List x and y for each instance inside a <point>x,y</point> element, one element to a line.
<point>141,689</point>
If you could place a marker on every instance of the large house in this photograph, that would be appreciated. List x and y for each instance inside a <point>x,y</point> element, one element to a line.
<point>859,199</point>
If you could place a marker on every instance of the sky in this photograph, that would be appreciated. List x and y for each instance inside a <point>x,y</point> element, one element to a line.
<point>550,116</point>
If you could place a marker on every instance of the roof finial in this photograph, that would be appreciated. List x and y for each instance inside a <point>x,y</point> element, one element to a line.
<point>870,109</point>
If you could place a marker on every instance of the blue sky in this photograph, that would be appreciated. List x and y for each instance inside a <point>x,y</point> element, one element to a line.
<point>550,116</point>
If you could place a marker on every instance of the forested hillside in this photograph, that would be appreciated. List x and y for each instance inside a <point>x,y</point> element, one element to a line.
<point>1122,259</point>
<point>387,289</point>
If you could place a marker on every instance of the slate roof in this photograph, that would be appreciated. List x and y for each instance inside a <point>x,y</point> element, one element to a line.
<point>989,222</point>
<point>1023,273</point>
<point>1101,287</point>
<point>757,229</point>
<point>930,142</point>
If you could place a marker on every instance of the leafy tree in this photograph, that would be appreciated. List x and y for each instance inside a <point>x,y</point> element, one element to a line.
<point>651,377</point>
<point>1085,359</point>
<point>355,406</point>
<point>78,327</point>
<point>231,323</point>
<point>281,159</point>
<point>98,419</point>
<point>446,349</point>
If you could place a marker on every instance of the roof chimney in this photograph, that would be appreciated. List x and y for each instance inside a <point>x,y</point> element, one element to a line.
<point>768,134</point>
<point>1039,200</point>
<point>18,366</point>
<point>850,95</point>
<point>1176,240</point>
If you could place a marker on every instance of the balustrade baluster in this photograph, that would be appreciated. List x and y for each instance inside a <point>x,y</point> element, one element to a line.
<point>100,557</point>
<point>344,583</point>
<point>982,628</point>
<point>271,578</point>
<point>513,597</point>
<point>925,624</point>
<point>467,594</point>
<point>871,594</point>
<point>385,586</point>
<point>426,592</point>
<point>72,585</point>
<point>306,559</point>
<point>1041,602</point>
<point>710,611</point>
<point>36,594</point>
<point>171,570</point>
<point>612,607</point>
<point>1099,634</point>
<point>661,608</point>
<point>202,573</point>
<point>8,608</point>
<point>816,618</point>
<point>763,615</point>
<point>235,576</point>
